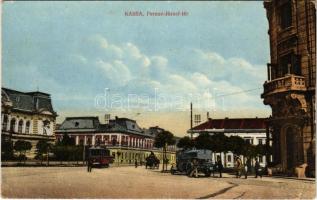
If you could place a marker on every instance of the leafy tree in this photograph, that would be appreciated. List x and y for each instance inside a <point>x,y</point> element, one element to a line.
<point>67,140</point>
<point>42,148</point>
<point>22,147</point>
<point>162,140</point>
<point>261,149</point>
<point>249,151</point>
<point>219,142</point>
<point>236,144</point>
<point>204,141</point>
<point>185,143</point>
<point>6,150</point>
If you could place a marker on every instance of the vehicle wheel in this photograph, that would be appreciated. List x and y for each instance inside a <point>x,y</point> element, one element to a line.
<point>188,171</point>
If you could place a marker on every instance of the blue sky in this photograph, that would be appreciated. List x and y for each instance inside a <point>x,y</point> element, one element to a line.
<point>151,65</point>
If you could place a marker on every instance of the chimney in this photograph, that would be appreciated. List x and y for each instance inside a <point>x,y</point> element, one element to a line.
<point>107,118</point>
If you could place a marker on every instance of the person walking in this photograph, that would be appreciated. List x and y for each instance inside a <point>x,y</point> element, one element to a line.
<point>136,163</point>
<point>238,167</point>
<point>246,169</point>
<point>220,167</point>
<point>194,168</point>
<point>89,165</point>
<point>257,169</point>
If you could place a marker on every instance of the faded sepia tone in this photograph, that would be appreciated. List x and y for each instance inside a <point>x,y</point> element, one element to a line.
<point>171,100</point>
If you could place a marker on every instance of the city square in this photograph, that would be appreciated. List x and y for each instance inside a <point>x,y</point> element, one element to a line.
<point>172,100</point>
<point>131,182</point>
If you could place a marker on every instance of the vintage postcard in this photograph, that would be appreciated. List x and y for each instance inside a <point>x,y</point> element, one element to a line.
<point>158,99</point>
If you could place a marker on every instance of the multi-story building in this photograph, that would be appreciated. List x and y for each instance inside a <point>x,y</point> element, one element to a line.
<point>290,88</point>
<point>252,130</point>
<point>124,138</point>
<point>27,116</point>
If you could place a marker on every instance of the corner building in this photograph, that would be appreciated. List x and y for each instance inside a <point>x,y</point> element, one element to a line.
<point>290,88</point>
<point>125,139</point>
<point>27,116</point>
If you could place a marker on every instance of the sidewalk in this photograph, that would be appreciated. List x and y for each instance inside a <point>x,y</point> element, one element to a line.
<point>291,177</point>
<point>34,163</point>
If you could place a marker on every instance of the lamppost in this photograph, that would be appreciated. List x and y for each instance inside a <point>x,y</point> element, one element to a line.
<point>84,154</point>
<point>47,155</point>
<point>118,157</point>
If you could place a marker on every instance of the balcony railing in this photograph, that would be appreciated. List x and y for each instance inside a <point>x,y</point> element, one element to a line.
<point>289,82</point>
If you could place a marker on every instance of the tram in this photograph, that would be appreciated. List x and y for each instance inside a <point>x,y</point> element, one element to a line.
<point>100,156</point>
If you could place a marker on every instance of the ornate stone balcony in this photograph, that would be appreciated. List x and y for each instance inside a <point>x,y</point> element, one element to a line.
<point>289,82</point>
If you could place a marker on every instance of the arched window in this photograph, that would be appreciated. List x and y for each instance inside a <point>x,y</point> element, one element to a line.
<point>20,126</point>
<point>12,125</point>
<point>27,127</point>
<point>46,127</point>
<point>5,122</point>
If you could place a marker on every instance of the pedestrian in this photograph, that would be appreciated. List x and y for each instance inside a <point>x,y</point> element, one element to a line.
<point>89,165</point>
<point>220,167</point>
<point>238,167</point>
<point>246,170</point>
<point>136,163</point>
<point>258,170</point>
<point>194,168</point>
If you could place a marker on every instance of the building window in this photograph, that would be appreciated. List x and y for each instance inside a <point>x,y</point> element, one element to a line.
<point>260,141</point>
<point>218,157</point>
<point>81,142</point>
<point>27,127</point>
<point>46,127</point>
<point>76,124</point>
<point>20,126</point>
<point>247,141</point>
<point>260,159</point>
<point>229,159</point>
<point>286,15</point>
<point>5,122</point>
<point>197,119</point>
<point>12,125</point>
<point>289,64</point>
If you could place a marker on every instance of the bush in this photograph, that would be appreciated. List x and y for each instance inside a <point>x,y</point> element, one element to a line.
<point>21,157</point>
<point>68,153</point>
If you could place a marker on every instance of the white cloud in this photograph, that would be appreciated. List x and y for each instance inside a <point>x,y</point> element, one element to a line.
<point>116,71</point>
<point>125,66</point>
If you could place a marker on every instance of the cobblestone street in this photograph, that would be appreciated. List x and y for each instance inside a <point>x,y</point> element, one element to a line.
<point>130,182</point>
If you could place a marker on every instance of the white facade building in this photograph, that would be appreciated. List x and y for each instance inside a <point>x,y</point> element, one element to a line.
<point>252,130</point>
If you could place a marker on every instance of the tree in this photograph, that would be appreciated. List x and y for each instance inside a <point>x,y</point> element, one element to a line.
<point>185,143</point>
<point>6,150</point>
<point>204,141</point>
<point>220,141</point>
<point>67,140</point>
<point>162,140</point>
<point>249,151</point>
<point>22,147</point>
<point>236,144</point>
<point>42,148</point>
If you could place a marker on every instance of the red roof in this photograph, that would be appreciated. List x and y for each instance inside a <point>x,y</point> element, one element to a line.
<point>237,123</point>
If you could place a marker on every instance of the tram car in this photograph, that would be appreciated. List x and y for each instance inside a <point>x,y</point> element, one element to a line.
<point>100,156</point>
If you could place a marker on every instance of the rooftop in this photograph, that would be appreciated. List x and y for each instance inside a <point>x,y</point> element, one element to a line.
<point>28,101</point>
<point>234,123</point>
<point>92,124</point>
